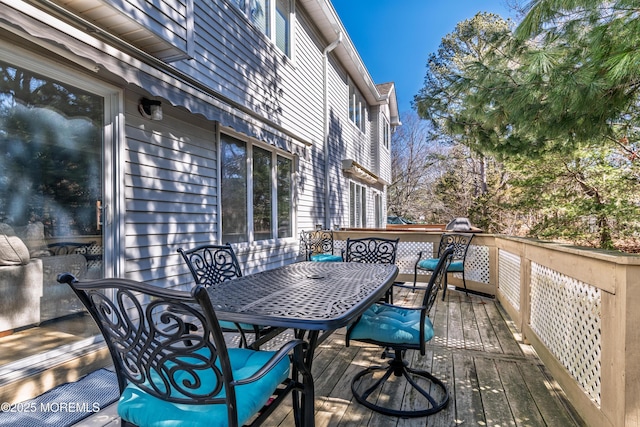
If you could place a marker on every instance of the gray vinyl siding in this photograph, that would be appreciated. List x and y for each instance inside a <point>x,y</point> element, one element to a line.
<point>383,153</point>
<point>238,61</point>
<point>376,139</point>
<point>171,199</point>
<point>170,185</point>
<point>339,124</point>
<point>167,178</point>
<point>307,112</point>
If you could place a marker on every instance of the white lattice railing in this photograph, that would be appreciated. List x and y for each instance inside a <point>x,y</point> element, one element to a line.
<point>477,265</point>
<point>565,314</point>
<point>578,307</point>
<point>509,277</point>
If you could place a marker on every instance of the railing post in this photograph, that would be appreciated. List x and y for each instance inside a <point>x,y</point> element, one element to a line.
<point>525,295</point>
<point>620,388</point>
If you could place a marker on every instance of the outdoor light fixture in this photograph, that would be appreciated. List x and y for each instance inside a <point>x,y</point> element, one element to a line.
<point>150,109</point>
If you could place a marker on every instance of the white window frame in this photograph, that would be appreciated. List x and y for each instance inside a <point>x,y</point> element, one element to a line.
<point>357,205</point>
<point>357,107</point>
<point>113,203</point>
<point>270,30</point>
<point>386,133</point>
<point>377,206</point>
<point>275,154</point>
<point>113,133</point>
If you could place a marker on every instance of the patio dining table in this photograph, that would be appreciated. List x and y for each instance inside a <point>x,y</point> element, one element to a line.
<point>312,298</point>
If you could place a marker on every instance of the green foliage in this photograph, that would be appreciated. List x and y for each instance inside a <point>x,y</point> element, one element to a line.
<point>557,104</point>
<point>588,197</point>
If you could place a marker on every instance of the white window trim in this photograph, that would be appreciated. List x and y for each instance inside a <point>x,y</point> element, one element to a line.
<point>270,34</point>
<point>386,133</point>
<point>359,106</point>
<point>359,216</point>
<point>275,152</point>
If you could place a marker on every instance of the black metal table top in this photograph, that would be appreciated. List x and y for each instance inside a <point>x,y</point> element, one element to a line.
<point>304,295</point>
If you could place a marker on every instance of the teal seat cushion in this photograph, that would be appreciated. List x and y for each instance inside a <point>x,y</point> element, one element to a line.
<point>326,258</point>
<point>431,264</point>
<point>391,324</point>
<point>144,410</point>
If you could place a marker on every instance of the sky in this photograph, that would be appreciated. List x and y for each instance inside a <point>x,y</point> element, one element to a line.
<point>394,38</point>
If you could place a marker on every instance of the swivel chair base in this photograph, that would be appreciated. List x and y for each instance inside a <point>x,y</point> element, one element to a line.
<point>399,367</point>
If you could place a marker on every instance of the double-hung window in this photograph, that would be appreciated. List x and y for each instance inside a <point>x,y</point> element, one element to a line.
<point>256,192</point>
<point>357,107</point>
<point>386,133</point>
<point>358,205</point>
<point>272,18</point>
<point>377,202</point>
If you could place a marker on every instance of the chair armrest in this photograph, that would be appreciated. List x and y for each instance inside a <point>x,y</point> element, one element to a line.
<point>296,345</point>
<point>404,307</point>
<point>405,286</point>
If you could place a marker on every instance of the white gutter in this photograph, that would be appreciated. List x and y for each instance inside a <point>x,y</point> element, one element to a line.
<point>325,53</point>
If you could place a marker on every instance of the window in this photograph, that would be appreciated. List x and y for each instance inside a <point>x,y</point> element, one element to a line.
<point>262,194</point>
<point>358,205</point>
<point>272,18</point>
<point>377,200</point>
<point>282,25</point>
<point>386,133</point>
<point>255,192</point>
<point>357,107</point>
<point>285,207</point>
<point>233,184</point>
<point>52,145</point>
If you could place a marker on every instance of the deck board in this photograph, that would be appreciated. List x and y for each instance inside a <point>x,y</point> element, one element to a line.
<point>493,379</point>
<point>468,402</point>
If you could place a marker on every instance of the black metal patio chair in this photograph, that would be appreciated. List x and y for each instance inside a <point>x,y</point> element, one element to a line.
<point>318,246</point>
<point>172,363</point>
<point>211,265</point>
<point>401,328</point>
<point>372,250</point>
<point>460,243</point>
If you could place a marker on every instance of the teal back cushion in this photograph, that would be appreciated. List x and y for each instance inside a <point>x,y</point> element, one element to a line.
<point>326,258</point>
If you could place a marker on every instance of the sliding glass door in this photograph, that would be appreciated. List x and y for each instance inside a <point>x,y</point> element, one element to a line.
<point>51,195</point>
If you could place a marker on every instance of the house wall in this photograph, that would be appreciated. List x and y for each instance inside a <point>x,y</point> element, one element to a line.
<point>234,59</point>
<point>171,20</point>
<point>170,185</point>
<point>171,172</point>
<point>163,175</point>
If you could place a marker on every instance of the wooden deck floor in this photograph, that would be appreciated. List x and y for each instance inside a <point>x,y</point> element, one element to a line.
<point>493,378</point>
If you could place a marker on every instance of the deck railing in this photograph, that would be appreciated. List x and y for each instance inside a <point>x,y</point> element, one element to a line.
<point>580,308</point>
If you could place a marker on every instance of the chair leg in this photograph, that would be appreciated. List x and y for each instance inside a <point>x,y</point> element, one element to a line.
<point>243,338</point>
<point>464,282</point>
<point>444,286</point>
<point>435,395</point>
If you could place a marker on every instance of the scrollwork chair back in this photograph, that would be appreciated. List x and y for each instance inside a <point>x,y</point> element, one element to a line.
<point>212,264</point>
<point>371,250</point>
<point>318,246</point>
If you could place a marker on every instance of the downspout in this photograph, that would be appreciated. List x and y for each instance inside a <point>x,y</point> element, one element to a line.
<point>325,53</point>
